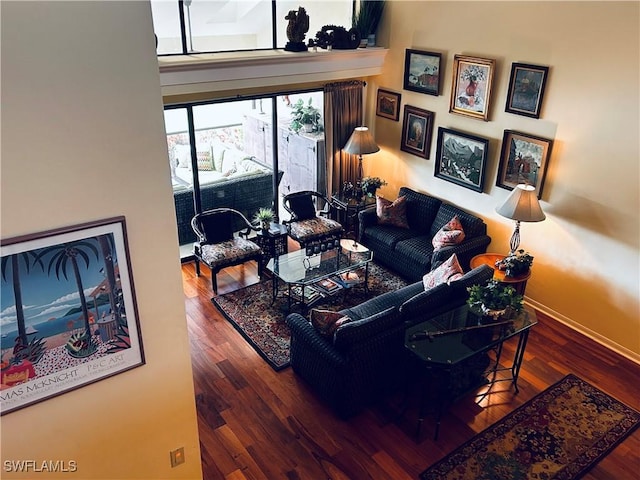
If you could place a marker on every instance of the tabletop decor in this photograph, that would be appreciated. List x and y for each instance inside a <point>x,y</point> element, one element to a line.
<point>422,71</point>
<point>417,128</point>
<point>516,263</point>
<point>560,433</point>
<point>461,158</point>
<point>495,299</point>
<point>75,318</point>
<point>471,89</point>
<point>523,159</point>
<point>526,89</point>
<point>371,184</point>
<point>263,218</point>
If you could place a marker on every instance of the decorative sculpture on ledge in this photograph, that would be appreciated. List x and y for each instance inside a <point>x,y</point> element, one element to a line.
<point>337,37</point>
<point>296,30</point>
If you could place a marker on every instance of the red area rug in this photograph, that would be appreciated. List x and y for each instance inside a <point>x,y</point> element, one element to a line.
<point>262,324</point>
<point>559,434</point>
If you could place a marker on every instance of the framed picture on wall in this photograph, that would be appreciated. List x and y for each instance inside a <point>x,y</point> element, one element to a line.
<point>69,315</point>
<point>523,159</point>
<point>471,89</point>
<point>526,89</point>
<point>417,127</point>
<point>461,158</point>
<point>388,104</point>
<point>422,71</point>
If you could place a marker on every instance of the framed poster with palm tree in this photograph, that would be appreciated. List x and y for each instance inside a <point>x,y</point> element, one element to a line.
<point>68,314</point>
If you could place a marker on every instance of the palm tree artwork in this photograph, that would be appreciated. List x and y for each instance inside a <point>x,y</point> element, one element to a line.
<point>23,349</point>
<point>61,257</point>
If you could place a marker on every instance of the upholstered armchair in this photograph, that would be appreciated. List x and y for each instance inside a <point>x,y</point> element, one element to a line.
<point>218,247</point>
<point>308,226</point>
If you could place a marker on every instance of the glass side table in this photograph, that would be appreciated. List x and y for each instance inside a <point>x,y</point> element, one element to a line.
<point>348,209</point>
<point>459,352</point>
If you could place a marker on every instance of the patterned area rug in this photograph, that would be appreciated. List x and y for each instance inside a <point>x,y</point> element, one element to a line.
<point>559,434</point>
<point>263,325</point>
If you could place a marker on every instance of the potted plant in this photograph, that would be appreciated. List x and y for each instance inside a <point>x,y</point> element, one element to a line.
<point>495,299</point>
<point>515,264</point>
<point>366,19</point>
<point>264,217</point>
<point>305,115</point>
<point>371,184</point>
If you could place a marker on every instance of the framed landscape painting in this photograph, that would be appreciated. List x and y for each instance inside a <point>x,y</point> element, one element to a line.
<point>523,159</point>
<point>461,158</point>
<point>68,312</point>
<point>471,89</point>
<point>388,104</point>
<point>417,126</point>
<point>422,71</point>
<point>526,89</point>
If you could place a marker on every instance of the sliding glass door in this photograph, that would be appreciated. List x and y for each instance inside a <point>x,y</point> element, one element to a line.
<point>223,155</point>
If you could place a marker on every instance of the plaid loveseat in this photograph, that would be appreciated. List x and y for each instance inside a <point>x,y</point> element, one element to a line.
<point>409,251</point>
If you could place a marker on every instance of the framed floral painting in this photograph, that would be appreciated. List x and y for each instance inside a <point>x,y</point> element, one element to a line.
<point>523,159</point>
<point>471,89</point>
<point>526,89</point>
<point>417,126</point>
<point>461,158</point>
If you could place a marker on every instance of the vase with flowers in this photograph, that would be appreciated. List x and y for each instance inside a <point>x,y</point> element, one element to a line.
<point>515,264</point>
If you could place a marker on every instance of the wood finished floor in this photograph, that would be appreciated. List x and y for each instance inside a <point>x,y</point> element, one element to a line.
<point>255,423</point>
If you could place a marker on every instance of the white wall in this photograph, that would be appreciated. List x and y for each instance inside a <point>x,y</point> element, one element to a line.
<point>83,139</point>
<point>587,251</point>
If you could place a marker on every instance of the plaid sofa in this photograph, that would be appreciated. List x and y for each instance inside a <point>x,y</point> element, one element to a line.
<point>409,251</point>
<point>366,358</point>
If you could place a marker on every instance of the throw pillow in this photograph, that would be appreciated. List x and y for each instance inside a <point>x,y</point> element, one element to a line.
<point>205,162</point>
<point>443,273</point>
<point>450,234</point>
<point>392,213</point>
<point>326,322</point>
<point>302,206</point>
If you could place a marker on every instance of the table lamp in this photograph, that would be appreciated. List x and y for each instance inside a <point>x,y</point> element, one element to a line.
<point>360,143</point>
<point>522,206</point>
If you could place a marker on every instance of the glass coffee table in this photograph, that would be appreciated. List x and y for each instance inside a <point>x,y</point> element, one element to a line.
<point>311,278</point>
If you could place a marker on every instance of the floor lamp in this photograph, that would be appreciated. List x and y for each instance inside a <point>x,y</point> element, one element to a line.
<point>522,206</point>
<point>360,143</point>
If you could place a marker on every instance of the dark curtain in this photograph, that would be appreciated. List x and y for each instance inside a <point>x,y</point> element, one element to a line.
<point>342,114</point>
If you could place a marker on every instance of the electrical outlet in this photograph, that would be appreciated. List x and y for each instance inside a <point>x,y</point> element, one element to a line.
<point>177,456</point>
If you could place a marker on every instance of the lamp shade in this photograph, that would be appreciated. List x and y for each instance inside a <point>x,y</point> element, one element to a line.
<point>361,142</point>
<point>522,205</point>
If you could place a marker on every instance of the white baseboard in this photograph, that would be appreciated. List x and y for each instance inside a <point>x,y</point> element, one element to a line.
<point>625,352</point>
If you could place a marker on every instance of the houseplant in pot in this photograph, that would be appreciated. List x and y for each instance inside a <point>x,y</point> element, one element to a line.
<point>305,116</point>
<point>371,184</point>
<point>263,218</point>
<point>366,19</point>
<point>495,300</point>
<point>515,264</point>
